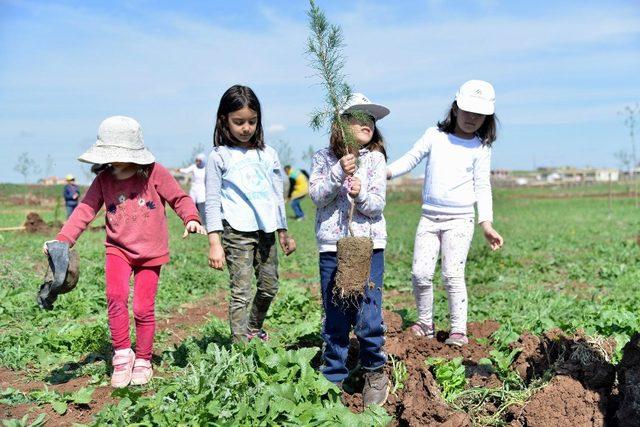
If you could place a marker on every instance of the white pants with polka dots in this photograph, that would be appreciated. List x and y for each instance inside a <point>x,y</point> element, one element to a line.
<point>451,238</point>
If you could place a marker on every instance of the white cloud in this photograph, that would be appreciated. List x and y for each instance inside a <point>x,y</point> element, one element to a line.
<point>169,69</point>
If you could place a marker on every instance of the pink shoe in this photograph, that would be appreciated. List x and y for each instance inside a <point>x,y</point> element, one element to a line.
<point>122,365</point>
<point>263,335</point>
<point>142,372</point>
<point>421,331</point>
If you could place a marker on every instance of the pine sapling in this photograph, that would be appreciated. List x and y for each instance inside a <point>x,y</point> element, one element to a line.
<point>324,48</point>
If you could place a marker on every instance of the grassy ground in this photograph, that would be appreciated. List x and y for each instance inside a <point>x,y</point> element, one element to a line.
<point>568,262</point>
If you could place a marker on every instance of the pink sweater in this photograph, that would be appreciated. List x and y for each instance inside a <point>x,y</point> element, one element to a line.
<point>135,217</point>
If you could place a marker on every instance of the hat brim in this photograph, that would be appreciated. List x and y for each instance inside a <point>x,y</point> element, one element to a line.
<point>102,154</point>
<point>374,110</point>
<point>477,106</point>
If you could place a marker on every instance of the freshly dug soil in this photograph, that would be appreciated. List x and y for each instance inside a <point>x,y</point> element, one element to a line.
<point>564,402</point>
<point>581,394</point>
<point>419,403</point>
<point>578,356</point>
<point>35,224</point>
<point>629,384</point>
<point>354,266</point>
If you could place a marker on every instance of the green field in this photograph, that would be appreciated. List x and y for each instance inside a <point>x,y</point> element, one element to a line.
<point>568,262</point>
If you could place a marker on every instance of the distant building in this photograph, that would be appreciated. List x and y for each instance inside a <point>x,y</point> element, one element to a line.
<point>51,180</point>
<point>568,174</point>
<point>602,175</point>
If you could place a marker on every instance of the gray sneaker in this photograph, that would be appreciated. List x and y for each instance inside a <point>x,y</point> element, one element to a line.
<point>376,388</point>
<point>458,339</point>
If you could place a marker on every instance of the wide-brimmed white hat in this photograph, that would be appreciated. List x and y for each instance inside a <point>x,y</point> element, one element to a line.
<point>119,140</point>
<point>359,102</point>
<point>477,96</point>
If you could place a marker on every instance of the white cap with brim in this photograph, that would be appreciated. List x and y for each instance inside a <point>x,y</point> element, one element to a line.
<point>477,96</point>
<point>359,102</point>
<point>119,140</point>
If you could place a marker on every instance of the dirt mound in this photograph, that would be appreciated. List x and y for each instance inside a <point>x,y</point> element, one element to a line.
<point>29,200</point>
<point>579,395</point>
<point>35,224</point>
<point>584,358</point>
<point>482,329</point>
<point>392,323</point>
<point>629,383</point>
<point>565,401</point>
<point>419,402</point>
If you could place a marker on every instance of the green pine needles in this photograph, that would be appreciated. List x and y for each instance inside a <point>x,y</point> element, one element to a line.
<point>324,48</point>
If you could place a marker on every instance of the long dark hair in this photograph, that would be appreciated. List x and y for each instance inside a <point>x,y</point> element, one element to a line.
<point>236,98</point>
<point>487,133</point>
<point>337,145</point>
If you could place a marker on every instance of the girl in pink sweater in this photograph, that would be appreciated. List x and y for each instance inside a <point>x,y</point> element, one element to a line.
<point>133,188</point>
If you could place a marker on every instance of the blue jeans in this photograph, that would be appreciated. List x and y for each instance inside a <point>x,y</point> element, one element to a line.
<point>297,210</point>
<point>70,209</point>
<point>365,316</point>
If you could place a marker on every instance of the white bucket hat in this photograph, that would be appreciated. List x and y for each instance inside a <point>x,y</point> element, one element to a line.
<point>477,96</point>
<point>359,102</point>
<point>119,140</point>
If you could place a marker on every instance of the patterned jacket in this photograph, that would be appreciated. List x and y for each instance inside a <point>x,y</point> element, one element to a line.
<point>328,188</point>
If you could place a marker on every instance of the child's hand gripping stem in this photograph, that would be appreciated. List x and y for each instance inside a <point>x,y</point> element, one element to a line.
<point>348,163</point>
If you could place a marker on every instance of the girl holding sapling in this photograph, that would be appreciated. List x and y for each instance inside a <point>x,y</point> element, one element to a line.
<point>457,176</point>
<point>133,188</point>
<point>244,210</point>
<point>342,176</point>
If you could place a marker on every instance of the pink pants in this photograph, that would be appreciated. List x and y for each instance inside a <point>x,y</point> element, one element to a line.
<point>118,272</point>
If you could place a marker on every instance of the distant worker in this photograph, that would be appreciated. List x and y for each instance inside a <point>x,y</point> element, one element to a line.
<point>71,194</point>
<point>197,190</point>
<point>298,189</point>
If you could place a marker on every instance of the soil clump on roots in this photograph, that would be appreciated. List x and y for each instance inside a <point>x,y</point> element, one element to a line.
<point>354,266</point>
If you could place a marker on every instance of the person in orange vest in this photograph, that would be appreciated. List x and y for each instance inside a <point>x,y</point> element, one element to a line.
<point>298,189</point>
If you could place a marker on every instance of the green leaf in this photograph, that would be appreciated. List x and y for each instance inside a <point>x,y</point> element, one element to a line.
<point>82,396</point>
<point>59,406</point>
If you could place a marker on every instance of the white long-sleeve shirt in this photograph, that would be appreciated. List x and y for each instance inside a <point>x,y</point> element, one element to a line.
<point>457,175</point>
<point>197,190</point>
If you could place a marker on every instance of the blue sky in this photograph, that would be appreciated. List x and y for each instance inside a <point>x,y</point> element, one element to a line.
<point>562,72</point>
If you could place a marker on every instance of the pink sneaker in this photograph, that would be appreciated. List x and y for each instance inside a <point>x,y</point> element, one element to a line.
<point>422,331</point>
<point>122,365</point>
<point>263,335</point>
<point>142,372</point>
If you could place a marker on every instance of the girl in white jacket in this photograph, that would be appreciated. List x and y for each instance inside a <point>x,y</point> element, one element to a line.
<point>457,176</point>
